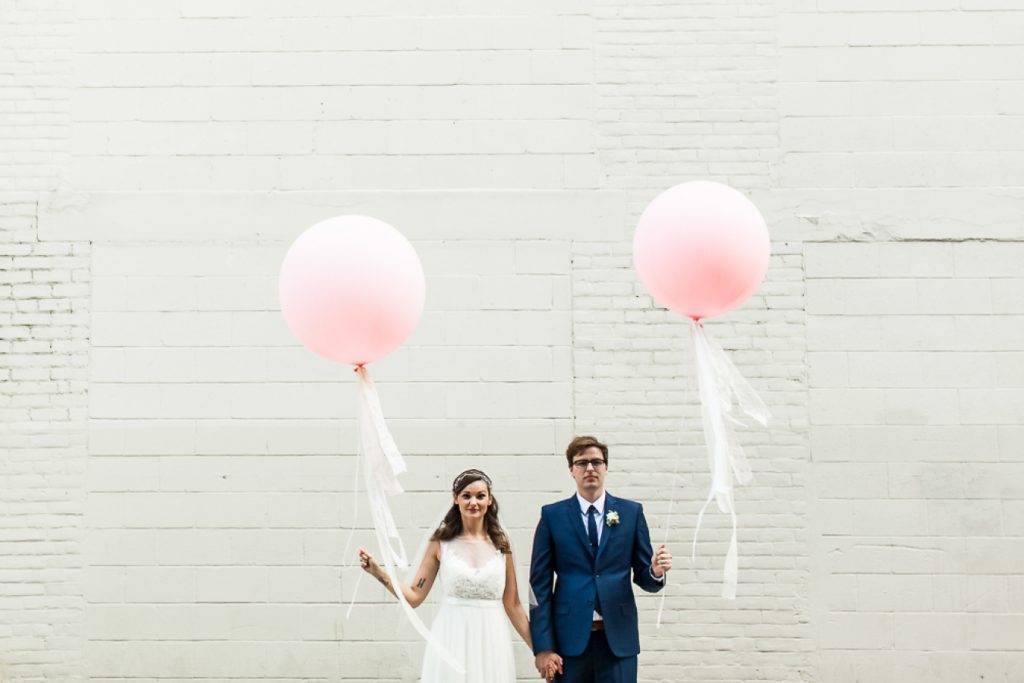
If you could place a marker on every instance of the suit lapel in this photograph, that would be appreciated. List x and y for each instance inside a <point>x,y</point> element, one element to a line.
<point>572,510</point>
<point>606,533</point>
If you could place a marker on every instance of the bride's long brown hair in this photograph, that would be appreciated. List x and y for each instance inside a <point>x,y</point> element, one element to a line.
<point>451,526</point>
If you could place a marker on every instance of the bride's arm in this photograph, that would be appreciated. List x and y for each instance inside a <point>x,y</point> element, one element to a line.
<point>416,593</point>
<point>513,606</point>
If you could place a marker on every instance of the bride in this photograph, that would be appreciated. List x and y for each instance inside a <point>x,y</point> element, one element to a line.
<point>471,553</point>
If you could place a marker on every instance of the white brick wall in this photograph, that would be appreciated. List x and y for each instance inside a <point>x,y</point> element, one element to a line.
<point>236,96</point>
<point>44,289</point>
<point>912,345</point>
<point>158,157</point>
<point>687,90</point>
<point>918,95</point>
<point>916,483</point>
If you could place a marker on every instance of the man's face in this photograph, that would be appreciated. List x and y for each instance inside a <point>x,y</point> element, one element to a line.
<point>588,473</point>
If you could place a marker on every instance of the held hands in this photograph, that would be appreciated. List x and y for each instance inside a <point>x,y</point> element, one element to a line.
<point>548,664</point>
<point>661,562</point>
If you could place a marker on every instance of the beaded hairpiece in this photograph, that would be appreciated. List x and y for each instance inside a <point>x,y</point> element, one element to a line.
<point>456,485</point>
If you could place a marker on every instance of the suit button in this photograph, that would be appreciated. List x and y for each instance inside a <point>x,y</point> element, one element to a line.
<point>597,576</point>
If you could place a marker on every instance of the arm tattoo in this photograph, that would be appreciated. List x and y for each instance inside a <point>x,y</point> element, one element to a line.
<point>421,582</point>
<point>383,580</point>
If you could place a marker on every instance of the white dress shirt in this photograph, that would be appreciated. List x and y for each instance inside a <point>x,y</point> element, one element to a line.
<point>585,506</point>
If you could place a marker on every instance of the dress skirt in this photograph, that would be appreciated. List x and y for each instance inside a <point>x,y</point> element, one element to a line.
<point>475,633</point>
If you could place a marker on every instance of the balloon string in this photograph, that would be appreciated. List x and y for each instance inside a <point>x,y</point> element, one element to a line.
<point>352,531</point>
<point>355,591</point>
<point>668,517</point>
<point>352,528</point>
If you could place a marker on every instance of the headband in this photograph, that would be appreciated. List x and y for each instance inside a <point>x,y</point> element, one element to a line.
<point>456,485</point>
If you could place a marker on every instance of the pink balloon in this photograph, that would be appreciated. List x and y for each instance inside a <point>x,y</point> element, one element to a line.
<point>351,289</point>
<point>701,248</point>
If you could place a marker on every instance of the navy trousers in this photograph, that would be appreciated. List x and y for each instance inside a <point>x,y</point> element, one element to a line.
<point>597,664</point>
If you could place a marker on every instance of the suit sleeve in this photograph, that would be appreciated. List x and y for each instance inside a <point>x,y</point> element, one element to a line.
<point>642,555</point>
<point>542,570</point>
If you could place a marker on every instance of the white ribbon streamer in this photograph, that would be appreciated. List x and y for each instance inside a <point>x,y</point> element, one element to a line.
<point>384,462</point>
<point>724,396</point>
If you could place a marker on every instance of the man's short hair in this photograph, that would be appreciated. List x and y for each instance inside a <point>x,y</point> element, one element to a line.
<point>582,443</point>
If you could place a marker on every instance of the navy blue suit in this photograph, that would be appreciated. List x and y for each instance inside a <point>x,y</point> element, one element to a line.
<point>561,621</point>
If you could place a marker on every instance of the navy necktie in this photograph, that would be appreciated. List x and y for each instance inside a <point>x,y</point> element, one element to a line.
<point>592,533</point>
<point>592,526</point>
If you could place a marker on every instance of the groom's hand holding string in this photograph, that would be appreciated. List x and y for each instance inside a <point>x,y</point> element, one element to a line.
<point>661,562</point>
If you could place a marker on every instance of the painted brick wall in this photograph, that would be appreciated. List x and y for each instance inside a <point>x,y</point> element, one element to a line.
<point>158,157</point>
<point>914,335</point>
<point>915,352</point>
<point>275,96</point>
<point>44,316</point>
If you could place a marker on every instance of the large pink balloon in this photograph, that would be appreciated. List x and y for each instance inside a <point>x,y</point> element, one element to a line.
<point>701,248</point>
<point>351,289</point>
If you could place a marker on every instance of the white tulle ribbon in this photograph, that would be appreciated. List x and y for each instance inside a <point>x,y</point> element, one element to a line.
<point>725,397</point>
<point>383,463</point>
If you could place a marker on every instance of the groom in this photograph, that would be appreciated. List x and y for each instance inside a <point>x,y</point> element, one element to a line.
<point>585,627</point>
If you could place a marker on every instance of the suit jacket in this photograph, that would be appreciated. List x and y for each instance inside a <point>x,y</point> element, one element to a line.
<point>561,620</point>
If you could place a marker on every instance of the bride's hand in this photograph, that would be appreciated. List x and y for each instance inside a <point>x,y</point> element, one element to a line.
<point>554,667</point>
<point>369,564</point>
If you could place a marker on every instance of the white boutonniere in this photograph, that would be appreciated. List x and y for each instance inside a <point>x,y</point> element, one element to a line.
<point>611,518</point>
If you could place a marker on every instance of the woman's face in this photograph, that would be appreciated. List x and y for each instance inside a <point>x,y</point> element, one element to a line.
<point>473,500</point>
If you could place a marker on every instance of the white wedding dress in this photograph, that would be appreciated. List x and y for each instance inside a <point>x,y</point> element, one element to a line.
<point>471,624</point>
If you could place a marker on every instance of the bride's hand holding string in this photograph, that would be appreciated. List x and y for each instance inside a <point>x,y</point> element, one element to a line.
<point>370,566</point>
<point>416,593</point>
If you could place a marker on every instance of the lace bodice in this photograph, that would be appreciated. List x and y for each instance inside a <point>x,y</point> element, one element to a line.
<point>472,569</point>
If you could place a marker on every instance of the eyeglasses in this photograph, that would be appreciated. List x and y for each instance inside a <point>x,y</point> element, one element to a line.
<point>584,464</point>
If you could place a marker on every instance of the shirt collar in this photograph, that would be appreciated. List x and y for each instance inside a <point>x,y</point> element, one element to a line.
<point>585,504</point>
